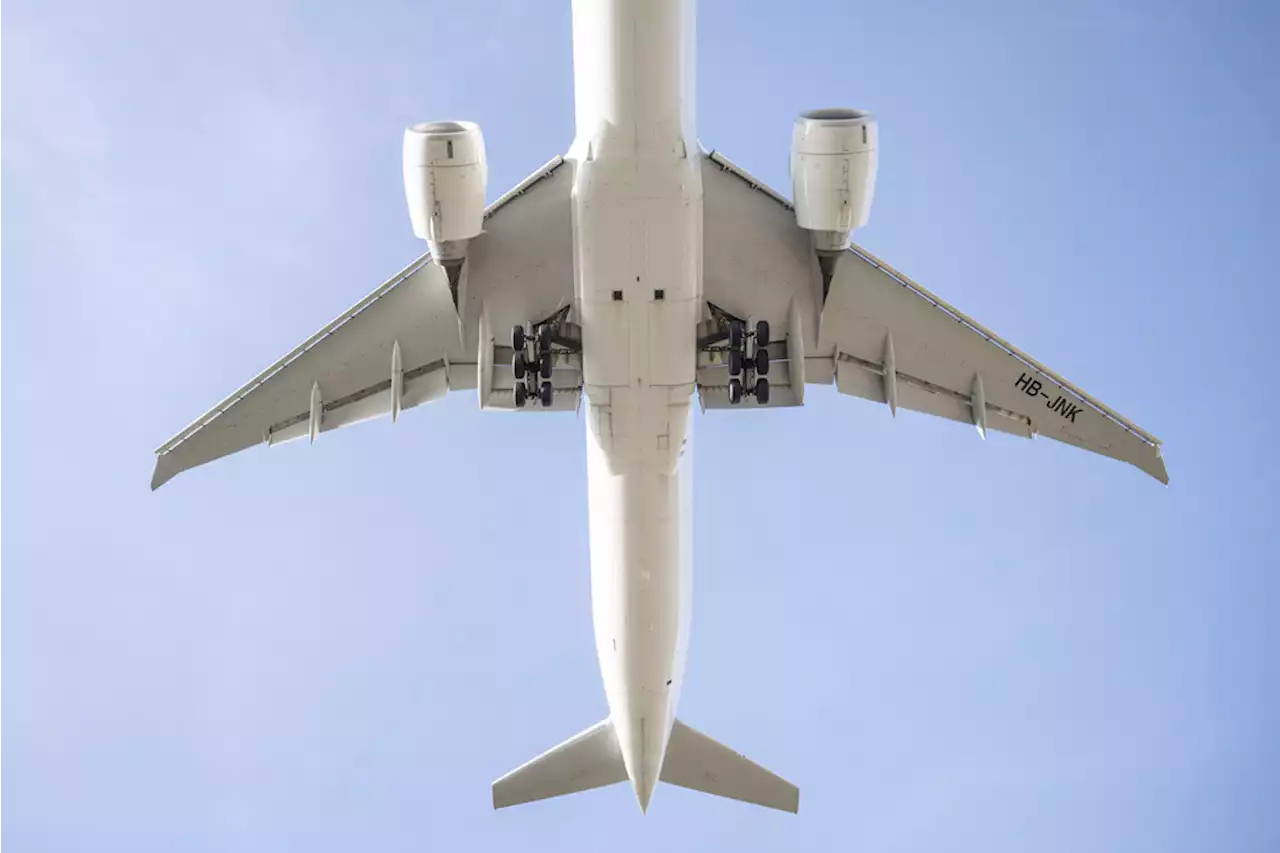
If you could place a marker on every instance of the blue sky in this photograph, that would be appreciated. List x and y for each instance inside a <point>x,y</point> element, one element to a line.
<point>948,644</point>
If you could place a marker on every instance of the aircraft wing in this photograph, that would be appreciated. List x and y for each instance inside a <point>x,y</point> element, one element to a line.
<point>406,344</point>
<point>875,333</point>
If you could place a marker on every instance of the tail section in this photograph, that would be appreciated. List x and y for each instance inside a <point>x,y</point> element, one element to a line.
<point>589,759</point>
<point>593,759</point>
<point>698,762</point>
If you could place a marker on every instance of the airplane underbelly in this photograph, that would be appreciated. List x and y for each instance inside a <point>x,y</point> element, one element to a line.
<point>638,285</point>
<point>641,572</point>
<point>637,270</point>
<point>635,561</point>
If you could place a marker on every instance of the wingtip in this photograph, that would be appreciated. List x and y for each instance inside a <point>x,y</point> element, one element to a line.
<point>502,797</point>
<point>1156,468</point>
<point>163,473</point>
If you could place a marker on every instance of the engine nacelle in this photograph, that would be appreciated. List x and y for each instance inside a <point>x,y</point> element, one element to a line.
<point>833,174</point>
<point>445,174</point>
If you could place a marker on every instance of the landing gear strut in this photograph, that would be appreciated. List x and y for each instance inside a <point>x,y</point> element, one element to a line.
<point>532,363</point>
<point>741,365</point>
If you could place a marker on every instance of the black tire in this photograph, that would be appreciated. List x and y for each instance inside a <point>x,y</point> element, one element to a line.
<point>762,361</point>
<point>518,365</point>
<point>522,395</point>
<point>762,391</point>
<point>517,338</point>
<point>735,391</point>
<point>736,335</point>
<point>735,362</point>
<point>547,395</point>
<point>544,364</point>
<point>544,339</point>
<point>762,333</point>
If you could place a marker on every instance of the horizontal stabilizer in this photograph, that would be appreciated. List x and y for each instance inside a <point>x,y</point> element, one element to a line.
<point>589,759</point>
<point>698,762</point>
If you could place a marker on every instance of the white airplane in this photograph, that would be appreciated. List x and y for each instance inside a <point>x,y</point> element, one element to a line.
<point>629,274</point>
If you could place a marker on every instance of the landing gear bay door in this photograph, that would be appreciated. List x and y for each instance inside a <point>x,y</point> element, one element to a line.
<point>869,330</point>
<point>420,335</point>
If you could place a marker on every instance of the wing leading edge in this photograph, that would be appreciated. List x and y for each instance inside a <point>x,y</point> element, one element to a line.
<point>879,335</point>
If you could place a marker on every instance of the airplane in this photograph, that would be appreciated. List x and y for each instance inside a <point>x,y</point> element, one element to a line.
<point>624,277</point>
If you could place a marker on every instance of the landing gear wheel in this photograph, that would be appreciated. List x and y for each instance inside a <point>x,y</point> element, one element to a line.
<point>762,333</point>
<point>517,338</point>
<point>735,362</point>
<point>762,360</point>
<point>544,364</point>
<point>518,365</point>
<point>735,391</point>
<point>548,393</point>
<point>762,391</point>
<point>736,335</point>
<point>522,395</point>
<point>544,339</point>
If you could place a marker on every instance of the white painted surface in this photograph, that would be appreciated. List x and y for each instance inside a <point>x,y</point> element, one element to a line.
<point>617,233</point>
<point>833,169</point>
<point>638,206</point>
<point>445,175</point>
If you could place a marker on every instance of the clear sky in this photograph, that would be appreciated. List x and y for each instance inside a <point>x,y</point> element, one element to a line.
<point>948,644</point>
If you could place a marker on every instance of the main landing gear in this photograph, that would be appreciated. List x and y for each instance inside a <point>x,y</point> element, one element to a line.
<point>742,367</point>
<point>531,364</point>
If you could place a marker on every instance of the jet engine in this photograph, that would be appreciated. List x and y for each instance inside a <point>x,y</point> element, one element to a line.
<point>445,173</point>
<point>833,178</point>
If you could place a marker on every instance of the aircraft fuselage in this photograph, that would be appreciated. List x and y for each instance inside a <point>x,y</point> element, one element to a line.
<point>637,203</point>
